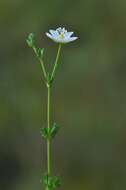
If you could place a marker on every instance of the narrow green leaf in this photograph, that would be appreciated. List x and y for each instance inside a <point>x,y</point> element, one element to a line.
<point>44,180</point>
<point>52,182</point>
<point>55,181</point>
<point>54,130</point>
<point>44,132</point>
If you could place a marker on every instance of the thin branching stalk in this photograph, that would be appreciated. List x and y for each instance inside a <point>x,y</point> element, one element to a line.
<point>60,36</point>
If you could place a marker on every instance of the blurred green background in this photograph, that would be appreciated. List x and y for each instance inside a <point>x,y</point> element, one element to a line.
<point>89,95</point>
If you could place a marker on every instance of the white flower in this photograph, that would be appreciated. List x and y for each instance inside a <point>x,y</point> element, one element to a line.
<point>60,35</point>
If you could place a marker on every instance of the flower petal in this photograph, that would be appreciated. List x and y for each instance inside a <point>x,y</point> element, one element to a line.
<point>73,39</point>
<point>53,32</point>
<point>64,30</point>
<point>49,35</point>
<point>68,34</point>
<point>59,28</point>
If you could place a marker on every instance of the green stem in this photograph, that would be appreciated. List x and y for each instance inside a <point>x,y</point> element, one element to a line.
<point>48,126</point>
<point>42,64</point>
<point>56,62</point>
<point>43,68</point>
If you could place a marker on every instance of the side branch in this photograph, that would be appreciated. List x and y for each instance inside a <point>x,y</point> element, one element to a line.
<point>56,62</point>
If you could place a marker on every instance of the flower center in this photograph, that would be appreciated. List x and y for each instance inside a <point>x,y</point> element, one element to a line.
<point>61,35</point>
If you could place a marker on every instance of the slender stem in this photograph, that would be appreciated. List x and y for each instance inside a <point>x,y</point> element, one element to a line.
<point>43,68</point>
<point>56,62</point>
<point>48,126</point>
<point>42,64</point>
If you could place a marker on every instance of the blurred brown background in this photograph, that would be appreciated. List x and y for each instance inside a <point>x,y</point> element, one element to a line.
<point>89,95</point>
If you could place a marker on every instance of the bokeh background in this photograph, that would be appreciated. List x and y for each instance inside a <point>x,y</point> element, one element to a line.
<point>89,95</point>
